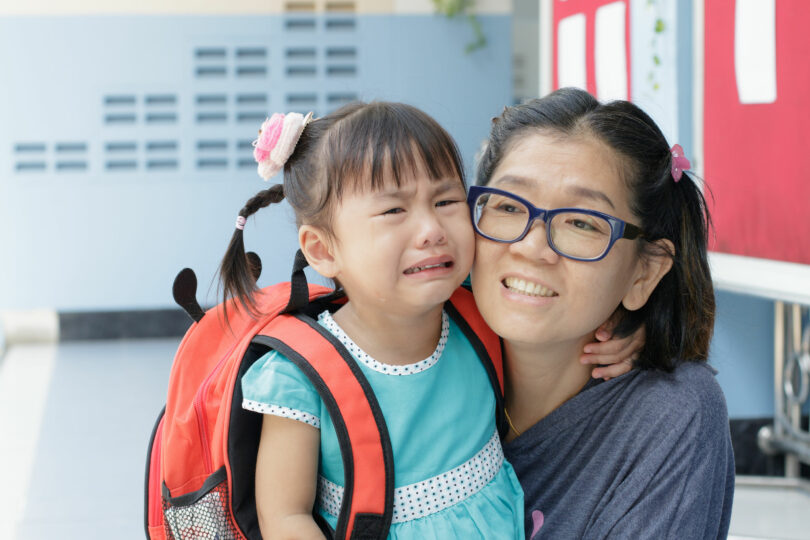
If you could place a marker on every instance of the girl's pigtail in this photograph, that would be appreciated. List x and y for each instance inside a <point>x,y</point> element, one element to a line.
<point>237,279</point>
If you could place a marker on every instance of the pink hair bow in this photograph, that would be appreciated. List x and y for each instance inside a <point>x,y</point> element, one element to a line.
<point>679,162</point>
<point>277,139</point>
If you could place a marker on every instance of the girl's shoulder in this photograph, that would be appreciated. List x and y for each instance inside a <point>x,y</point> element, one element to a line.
<point>272,370</point>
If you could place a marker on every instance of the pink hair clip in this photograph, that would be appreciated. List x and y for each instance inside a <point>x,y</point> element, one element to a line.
<point>679,162</point>
<point>277,139</point>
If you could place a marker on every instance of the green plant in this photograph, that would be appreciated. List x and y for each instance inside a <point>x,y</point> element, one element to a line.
<point>463,8</point>
<point>655,44</point>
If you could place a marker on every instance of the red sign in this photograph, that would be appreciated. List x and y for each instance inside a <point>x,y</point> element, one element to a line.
<point>757,127</point>
<point>564,9</point>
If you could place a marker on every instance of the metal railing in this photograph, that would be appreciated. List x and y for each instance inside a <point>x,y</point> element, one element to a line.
<point>791,388</point>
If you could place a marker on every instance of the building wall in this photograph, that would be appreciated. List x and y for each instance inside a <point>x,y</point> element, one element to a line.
<point>125,146</point>
<point>125,133</point>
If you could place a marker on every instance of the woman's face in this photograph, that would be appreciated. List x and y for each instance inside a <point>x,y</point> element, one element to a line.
<point>528,293</point>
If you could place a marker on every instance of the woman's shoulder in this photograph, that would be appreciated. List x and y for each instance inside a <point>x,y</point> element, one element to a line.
<point>690,391</point>
<point>690,379</point>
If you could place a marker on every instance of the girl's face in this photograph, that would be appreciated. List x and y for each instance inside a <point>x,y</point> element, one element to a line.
<point>403,249</point>
<point>528,293</point>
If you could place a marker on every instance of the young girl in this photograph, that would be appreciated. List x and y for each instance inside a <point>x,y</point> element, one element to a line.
<point>379,200</point>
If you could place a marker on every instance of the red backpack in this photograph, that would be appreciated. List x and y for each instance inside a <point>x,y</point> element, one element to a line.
<point>201,460</point>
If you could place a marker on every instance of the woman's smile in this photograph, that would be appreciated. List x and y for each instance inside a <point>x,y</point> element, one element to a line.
<point>527,287</point>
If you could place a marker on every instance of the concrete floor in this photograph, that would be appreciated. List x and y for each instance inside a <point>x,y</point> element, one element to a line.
<point>74,425</point>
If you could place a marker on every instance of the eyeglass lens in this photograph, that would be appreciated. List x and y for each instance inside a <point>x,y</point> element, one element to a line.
<point>575,234</point>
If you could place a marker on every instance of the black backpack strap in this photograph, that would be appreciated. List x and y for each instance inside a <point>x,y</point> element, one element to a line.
<point>365,445</point>
<point>299,290</point>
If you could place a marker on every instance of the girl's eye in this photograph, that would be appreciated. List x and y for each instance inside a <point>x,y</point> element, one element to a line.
<point>447,202</point>
<point>393,211</point>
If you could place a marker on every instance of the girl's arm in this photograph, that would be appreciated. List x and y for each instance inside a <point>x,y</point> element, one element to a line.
<point>286,479</point>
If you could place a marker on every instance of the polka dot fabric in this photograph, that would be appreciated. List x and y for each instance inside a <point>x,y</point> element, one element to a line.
<point>286,412</point>
<point>329,323</point>
<point>433,495</point>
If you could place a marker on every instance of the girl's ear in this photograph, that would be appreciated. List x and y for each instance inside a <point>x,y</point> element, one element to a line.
<point>318,248</point>
<point>651,269</point>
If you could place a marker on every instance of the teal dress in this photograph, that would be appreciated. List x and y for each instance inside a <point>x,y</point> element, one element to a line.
<point>451,480</point>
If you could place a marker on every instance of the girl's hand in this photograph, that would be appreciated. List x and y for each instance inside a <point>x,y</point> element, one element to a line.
<point>613,356</point>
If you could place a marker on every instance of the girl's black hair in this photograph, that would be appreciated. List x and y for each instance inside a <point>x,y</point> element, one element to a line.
<point>679,315</point>
<point>358,147</point>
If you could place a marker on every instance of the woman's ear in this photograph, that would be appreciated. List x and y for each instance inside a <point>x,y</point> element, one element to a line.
<point>318,248</point>
<point>652,267</point>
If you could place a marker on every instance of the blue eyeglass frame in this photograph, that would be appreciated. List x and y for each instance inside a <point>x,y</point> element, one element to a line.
<point>618,228</point>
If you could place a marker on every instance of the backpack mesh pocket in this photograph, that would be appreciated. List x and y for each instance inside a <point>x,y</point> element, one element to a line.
<point>201,515</point>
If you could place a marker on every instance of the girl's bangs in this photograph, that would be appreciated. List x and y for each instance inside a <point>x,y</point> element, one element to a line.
<point>383,144</point>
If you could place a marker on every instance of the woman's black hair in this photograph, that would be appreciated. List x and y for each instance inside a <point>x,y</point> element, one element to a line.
<point>679,315</point>
<point>358,147</point>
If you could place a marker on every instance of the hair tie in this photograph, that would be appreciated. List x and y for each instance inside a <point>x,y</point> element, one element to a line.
<point>679,162</point>
<point>277,139</point>
<point>240,223</point>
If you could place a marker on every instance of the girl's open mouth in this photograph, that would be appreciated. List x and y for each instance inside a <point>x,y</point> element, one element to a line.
<point>417,269</point>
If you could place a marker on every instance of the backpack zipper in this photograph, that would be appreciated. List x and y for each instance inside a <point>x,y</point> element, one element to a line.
<point>202,417</point>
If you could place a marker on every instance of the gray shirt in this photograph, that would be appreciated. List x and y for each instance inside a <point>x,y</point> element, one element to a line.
<point>644,455</point>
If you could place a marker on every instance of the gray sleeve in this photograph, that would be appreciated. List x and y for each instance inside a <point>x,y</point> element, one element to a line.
<point>682,485</point>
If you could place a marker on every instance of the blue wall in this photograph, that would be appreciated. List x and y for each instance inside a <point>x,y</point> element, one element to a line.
<point>125,141</point>
<point>742,353</point>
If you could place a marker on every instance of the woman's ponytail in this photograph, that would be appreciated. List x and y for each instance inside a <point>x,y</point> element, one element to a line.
<point>237,276</point>
<point>695,288</point>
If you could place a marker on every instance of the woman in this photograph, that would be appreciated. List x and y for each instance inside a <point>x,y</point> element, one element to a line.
<point>647,454</point>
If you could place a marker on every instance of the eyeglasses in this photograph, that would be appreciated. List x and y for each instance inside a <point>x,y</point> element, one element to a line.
<point>575,233</point>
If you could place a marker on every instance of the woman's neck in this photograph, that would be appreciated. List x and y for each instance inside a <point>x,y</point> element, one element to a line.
<point>541,378</point>
<point>391,338</point>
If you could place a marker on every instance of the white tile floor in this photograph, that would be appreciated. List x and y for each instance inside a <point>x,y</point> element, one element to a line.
<point>770,512</point>
<point>74,425</point>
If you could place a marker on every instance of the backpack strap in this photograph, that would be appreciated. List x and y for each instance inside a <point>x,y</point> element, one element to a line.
<point>299,290</point>
<point>368,461</point>
<point>486,343</point>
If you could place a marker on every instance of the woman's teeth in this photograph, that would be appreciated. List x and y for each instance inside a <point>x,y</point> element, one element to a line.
<point>521,286</point>
<point>416,269</point>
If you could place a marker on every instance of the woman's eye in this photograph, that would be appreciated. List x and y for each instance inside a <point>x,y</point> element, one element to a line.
<point>589,226</point>
<point>508,208</point>
<point>447,202</point>
<point>393,211</point>
<point>584,225</point>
